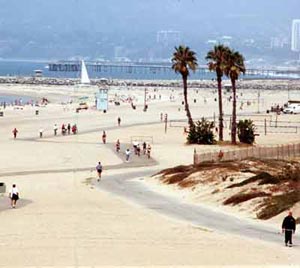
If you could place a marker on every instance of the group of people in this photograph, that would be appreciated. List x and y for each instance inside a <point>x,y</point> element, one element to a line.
<point>146,148</point>
<point>66,129</point>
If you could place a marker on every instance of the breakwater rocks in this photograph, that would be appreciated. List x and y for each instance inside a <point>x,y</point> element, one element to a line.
<point>271,84</point>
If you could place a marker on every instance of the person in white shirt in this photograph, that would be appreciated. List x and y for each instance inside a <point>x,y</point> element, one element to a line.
<point>14,195</point>
<point>55,128</point>
<point>41,132</point>
<point>127,152</point>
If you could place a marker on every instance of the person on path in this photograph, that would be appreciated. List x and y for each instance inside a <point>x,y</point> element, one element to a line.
<point>289,228</point>
<point>118,145</point>
<point>15,132</point>
<point>144,147</point>
<point>138,150</point>
<point>148,150</point>
<point>119,121</point>
<point>41,132</point>
<point>69,128</point>
<point>63,129</point>
<point>127,152</point>
<point>104,137</point>
<point>99,169</point>
<point>14,195</point>
<point>55,128</point>
<point>74,129</point>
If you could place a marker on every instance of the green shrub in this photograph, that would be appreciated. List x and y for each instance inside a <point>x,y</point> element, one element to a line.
<point>201,133</point>
<point>246,131</point>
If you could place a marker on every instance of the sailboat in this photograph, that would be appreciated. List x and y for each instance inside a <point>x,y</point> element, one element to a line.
<point>85,80</point>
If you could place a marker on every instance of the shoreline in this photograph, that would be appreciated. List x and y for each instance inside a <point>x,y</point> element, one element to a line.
<point>252,84</point>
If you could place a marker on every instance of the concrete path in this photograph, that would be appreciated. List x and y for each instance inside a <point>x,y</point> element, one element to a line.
<point>130,186</point>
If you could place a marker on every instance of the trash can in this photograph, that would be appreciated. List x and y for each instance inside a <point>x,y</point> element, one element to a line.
<point>2,188</point>
<point>1,113</point>
<point>36,112</point>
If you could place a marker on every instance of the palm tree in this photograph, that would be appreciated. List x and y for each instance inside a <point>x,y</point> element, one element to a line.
<point>183,60</point>
<point>234,67</point>
<point>217,58</point>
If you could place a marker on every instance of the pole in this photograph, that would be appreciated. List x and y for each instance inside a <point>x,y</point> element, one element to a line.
<point>166,123</point>
<point>258,101</point>
<point>265,126</point>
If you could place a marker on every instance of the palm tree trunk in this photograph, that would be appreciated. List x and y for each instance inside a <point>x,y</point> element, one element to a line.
<point>220,108</point>
<point>233,127</point>
<point>187,109</point>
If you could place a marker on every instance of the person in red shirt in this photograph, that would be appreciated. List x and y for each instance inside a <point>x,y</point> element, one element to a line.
<point>15,131</point>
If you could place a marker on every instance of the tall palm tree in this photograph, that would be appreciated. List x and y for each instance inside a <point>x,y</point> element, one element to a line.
<point>234,67</point>
<point>184,60</point>
<point>217,63</point>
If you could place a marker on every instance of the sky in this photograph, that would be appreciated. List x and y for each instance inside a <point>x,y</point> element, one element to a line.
<point>147,15</point>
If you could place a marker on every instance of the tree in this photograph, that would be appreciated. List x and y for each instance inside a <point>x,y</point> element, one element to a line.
<point>202,133</point>
<point>183,60</point>
<point>246,130</point>
<point>217,63</point>
<point>234,67</point>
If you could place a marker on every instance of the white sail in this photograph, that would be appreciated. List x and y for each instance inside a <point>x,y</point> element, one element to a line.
<point>84,74</point>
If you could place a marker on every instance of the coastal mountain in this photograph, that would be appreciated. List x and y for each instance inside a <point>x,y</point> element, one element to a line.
<point>61,29</point>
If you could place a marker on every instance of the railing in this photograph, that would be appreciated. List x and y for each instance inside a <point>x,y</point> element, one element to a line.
<point>141,139</point>
<point>279,152</point>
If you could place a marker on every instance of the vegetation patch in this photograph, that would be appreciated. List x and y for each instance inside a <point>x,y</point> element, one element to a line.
<point>279,203</point>
<point>243,197</point>
<point>263,176</point>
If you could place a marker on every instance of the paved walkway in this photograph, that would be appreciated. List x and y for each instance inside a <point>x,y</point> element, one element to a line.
<point>130,186</point>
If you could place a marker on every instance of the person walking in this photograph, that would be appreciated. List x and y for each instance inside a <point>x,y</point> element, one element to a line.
<point>148,150</point>
<point>127,153</point>
<point>15,132</point>
<point>63,129</point>
<point>55,128</point>
<point>14,195</point>
<point>74,129</point>
<point>119,121</point>
<point>69,128</point>
<point>41,132</point>
<point>104,137</point>
<point>99,169</point>
<point>118,145</point>
<point>144,147</point>
<point>289,228</point>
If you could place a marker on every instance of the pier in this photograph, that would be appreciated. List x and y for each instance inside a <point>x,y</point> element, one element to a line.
<point>161,69</point>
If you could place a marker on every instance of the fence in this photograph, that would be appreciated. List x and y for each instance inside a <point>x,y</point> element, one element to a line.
<point>279,152</point>
<point>265,125</point>
<point>141,139</point>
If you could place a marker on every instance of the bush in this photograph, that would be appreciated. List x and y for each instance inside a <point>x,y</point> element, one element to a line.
<point>243,197</point>
<point>201,133</point>
<point>246,130</point>
<point>279,203</point>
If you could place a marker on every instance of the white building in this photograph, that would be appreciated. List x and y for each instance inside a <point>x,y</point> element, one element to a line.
<point>296,35</point>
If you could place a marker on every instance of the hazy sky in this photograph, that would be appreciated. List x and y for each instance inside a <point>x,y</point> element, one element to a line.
<point>147,15</point>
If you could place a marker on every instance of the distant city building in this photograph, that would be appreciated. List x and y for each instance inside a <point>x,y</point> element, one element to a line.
<point>278,42</point>
<point>226,40</point>
<point>168,38</point>
<point>296,35</point>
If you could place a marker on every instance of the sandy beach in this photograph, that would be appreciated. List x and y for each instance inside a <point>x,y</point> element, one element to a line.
<point>66,219</point>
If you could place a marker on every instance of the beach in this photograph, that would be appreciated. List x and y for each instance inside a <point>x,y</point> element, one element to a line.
<point>66,218</point>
